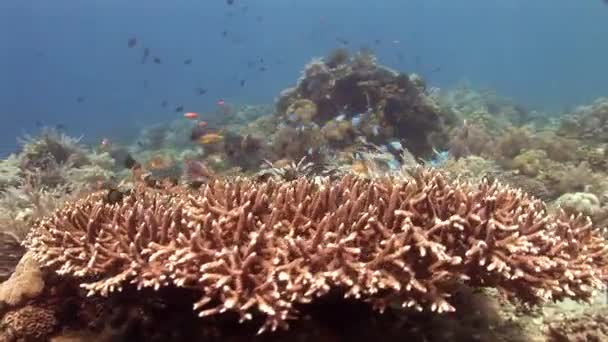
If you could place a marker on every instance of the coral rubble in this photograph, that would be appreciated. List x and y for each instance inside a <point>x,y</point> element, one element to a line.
<point>588,328</point>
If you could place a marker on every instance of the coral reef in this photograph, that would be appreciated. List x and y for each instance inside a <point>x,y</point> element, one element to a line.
<point>303,110</point>
<point>51,147</point>
<point>588,122</point>
<point>10,252</point>
<point>285,170</point>
<point>579,203</point>
<point>487,109</point>
<point>585,327</point>
<point>346,94</point>
<point>19,208</point>
<point>334,215</point>
<point>50,169</point>
<point>470,139</point>
<point>296,143</point>
<point>25,283</point>
<point>266,247</point>
<point>472,169</point>
<point>29,323</point>
<point>243,151</point>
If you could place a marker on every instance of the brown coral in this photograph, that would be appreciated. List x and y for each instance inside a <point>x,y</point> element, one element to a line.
<point>383,103</point>
<point>470,139</point>
<point>29,323</point>
<point>303,110</point>
<point>338,131</point>
<point>294,143</point>
<point>266,247</point>
<point>513,142</point>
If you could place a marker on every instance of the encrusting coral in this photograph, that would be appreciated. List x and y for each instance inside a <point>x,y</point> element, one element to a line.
<point>29,323</point>
<point>266,247</point>
<point>25,283</point>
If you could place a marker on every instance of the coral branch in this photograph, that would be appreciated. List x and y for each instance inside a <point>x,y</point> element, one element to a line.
<point>263,247</point>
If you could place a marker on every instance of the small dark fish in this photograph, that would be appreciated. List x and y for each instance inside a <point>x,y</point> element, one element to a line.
<point>140,144</point>
<point>342,41</point>
<point>132,42</point>
<point>179,109</point>
<point>201,91</point>
<point>80,99</point>
<point>230,2</point>
<point>145,56</point>
<point>242,83</point>
<point>262,60</point>
<point>262,68</point>
<point>157,60</point>
<point>39,124</point>
<point>164,104</point>
<point>197,132</point>
<point>400,56</point>
<point>114,196</point>
<point>129,161</point>
<point>224,33</point>
<point>60,127</point>
<point>188,61</point>
<point>436,69</point>
<point>377,41</point>
<point>417,62</point>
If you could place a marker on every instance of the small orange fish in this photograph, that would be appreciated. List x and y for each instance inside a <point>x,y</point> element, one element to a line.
<point>359,168</point>
<point>160,161</point>
<point>210,138</point>
<point>191,115</point>
<point>202,124</point>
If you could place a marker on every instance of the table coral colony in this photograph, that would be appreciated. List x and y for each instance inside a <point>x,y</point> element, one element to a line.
<point>263,248</point>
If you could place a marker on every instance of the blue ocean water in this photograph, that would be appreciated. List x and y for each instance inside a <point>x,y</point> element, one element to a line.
<point>66,62</point>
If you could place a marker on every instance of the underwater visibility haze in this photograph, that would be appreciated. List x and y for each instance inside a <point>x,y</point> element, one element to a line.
<point>269,170</point>
<point>546,54</point>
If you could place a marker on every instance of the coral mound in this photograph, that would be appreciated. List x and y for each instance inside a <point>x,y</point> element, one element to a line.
<point>354,96</point>
<point>267,247</point>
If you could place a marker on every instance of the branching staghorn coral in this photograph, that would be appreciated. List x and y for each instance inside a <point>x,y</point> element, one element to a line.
<point>266,247</point>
